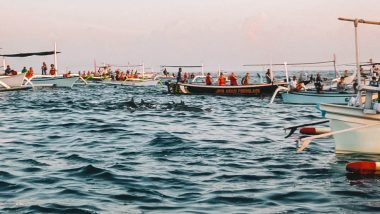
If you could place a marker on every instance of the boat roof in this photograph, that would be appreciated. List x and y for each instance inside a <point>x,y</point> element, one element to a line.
<point>299,63</point>
<point>44,53</point>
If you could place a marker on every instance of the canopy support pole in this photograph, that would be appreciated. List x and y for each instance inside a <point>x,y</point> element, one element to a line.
<point>55,58</point>
<point>4,65</point>
<point>286,73</point>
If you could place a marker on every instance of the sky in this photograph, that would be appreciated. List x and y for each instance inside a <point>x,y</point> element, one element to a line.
<point>228,33</point>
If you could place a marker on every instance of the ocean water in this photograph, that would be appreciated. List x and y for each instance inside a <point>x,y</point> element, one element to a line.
<point>92,150</point>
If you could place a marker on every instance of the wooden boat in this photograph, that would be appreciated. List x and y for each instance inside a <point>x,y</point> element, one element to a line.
<point>355,127</point>
<point>240,90</point>
<point>10,83</point>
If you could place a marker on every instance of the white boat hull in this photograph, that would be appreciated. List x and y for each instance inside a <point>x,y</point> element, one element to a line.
<point>11,82</point>
<point>314,98</point>
<point>53,81</point>
<point>365,140</point>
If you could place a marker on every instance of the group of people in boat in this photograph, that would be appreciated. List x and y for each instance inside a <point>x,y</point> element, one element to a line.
<point>221,79</point>
<point>233,79</point>
<point>30,72</point>
<point>299,84</point>
<point>117,75</point>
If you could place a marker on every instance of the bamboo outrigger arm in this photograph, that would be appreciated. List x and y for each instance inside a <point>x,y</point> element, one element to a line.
<point>360,21</point>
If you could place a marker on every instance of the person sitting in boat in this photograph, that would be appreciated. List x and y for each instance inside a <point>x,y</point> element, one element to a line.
<point>341,86</point>
<point>374,82</point>
<point>29,73</point>
<point>318,83</point>
<point>67,75</point>
<point>345,74</point>
<point>233,79</point>
<point>293,84</point>
<point>135,75</point>
<point>121,77</point>
<point>245,79</point>
<point>208,79</point>
<point>24,70</point>
<point>221,80</point>
<point>44,68</point>
<point>53,71</point>
<point>268,76</point>
<point>192,76</point>
<point>8,70</point>
<point>179,75</point>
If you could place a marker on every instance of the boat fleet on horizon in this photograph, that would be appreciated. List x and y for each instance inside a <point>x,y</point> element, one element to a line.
<point>349,101</point>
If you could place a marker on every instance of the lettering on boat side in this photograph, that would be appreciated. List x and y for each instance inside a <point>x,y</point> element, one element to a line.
<point>238,91</point>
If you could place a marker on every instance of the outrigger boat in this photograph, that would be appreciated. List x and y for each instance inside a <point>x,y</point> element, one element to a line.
<point>144,80</point>
<point>198,88</point>
<point>46,80</point>
<point>310,96</point>
<point>356,127</point>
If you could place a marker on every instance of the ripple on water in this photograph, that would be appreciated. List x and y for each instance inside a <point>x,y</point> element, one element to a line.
<point>85,151</point>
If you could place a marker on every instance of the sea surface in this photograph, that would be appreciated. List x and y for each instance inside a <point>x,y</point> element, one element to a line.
<point>93,150</point>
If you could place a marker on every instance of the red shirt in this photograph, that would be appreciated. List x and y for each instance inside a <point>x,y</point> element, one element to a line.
<point>233,80</point>
<point>208,80</point>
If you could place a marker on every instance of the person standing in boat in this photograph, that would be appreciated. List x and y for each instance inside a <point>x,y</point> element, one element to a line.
<point>208,79</point>
<point>179,75</point>
<point>268,76</point>
<point>44,68</point>
<point>53,71</point>
<point>318,83</point>
<point>233,79</point>
<point>221,79</point>
<point>165,72</point>
<point>245,79</point>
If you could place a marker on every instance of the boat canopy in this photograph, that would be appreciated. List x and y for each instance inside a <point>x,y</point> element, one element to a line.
<point>300,63</point>
<point>45,53</point>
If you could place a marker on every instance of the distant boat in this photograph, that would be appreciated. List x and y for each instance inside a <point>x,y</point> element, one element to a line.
<point>146,79</point>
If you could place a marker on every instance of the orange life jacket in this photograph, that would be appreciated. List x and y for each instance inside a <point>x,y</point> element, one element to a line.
<point>53,71</point>
<point>29,74</point>
<point>222,81</point>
